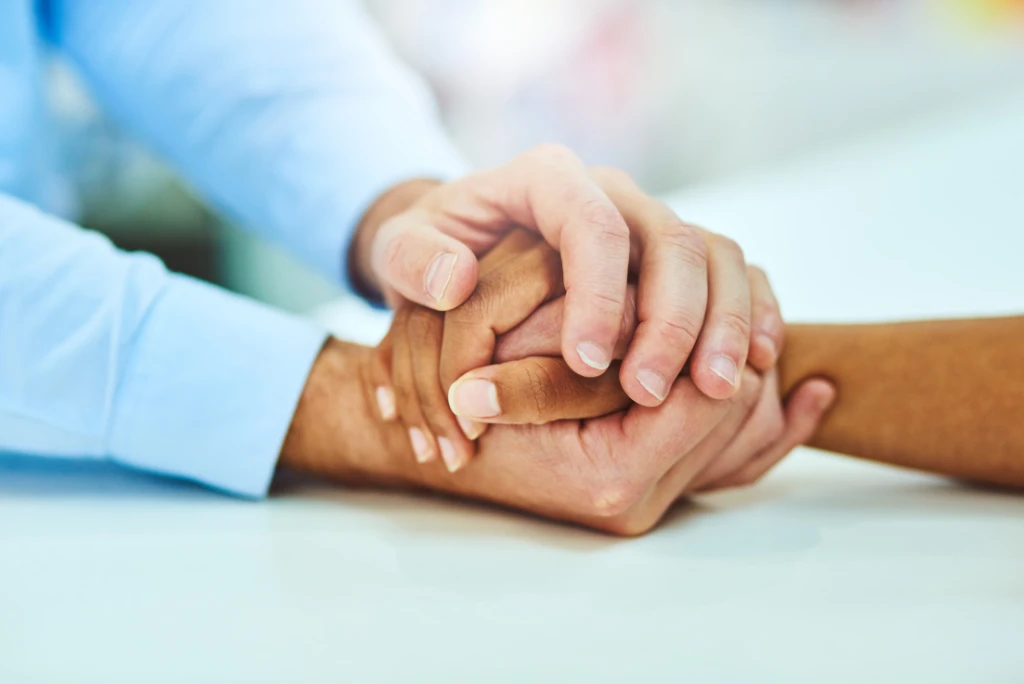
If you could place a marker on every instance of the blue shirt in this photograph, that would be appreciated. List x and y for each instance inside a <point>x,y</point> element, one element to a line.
<point>289,116</point>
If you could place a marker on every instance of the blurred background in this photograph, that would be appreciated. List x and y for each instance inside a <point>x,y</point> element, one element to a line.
<point>676,92</point>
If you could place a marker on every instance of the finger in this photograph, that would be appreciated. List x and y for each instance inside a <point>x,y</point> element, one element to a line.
<point>739,410</point>
<point>595,257</point>
<point>514,243</point>
<point>380,371</point>
<point>762,428</point>
<point>407,399</point>
<point>550,189</point>
<point>540,334</point>
<point>534,390</point>
<point>504,297</point>
<point>423,264</point>
<point>658,437</point>
<point>425,327</point>
<point>767,330</point>
<point>804,412</point>
<point>672,293</point>
<point>724,342</point>
<point>733,413</point>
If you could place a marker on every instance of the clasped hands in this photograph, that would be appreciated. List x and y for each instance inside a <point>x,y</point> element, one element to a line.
<point>489,374</point>
<point>524,369</point>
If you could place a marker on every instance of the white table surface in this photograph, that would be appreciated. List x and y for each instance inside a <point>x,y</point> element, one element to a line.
<point>830,570</point>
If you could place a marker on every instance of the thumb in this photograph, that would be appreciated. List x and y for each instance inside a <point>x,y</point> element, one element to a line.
<point>417,261</point>
<point>541,333</point>
<point>535,390</point>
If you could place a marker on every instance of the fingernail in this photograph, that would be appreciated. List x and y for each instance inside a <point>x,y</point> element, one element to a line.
<point>653,382</point>
<point>439,274</point>
<point>474,398</point>
<point>451,459</point>
<point>826,400</point>
<point>593,355</point>
<point>768,344</point>
<point>420,446</point>
<point>470,428</point>
<point>725,368</point>
<point>386,403</point>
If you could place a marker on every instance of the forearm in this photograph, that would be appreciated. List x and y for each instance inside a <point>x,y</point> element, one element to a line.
<point>941,396</point>
<point>106,354</point>
<point>291,117</point>
<point>336,431</point>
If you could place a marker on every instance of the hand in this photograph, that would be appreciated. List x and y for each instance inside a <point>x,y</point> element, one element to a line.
<point>529,387</point>
<point>507,321</point>
<point>424,352</point>
<point>516,277</point>
<point>693,300</point>
<point>619,473</point>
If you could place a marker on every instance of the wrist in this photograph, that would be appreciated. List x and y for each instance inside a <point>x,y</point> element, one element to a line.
<point>336,431</point>
<point>392,202</point>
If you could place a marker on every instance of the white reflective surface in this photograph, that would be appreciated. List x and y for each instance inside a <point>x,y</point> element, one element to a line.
<point>831,570</point>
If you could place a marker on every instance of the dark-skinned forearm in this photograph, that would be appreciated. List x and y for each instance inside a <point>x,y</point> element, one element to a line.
<point>941,396</point>
<point>336,432</point>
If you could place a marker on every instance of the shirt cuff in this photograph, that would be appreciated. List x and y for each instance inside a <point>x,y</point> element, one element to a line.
<point>211,388</point>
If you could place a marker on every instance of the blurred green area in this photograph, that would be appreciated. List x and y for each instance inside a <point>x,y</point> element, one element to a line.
<point>164,218</point>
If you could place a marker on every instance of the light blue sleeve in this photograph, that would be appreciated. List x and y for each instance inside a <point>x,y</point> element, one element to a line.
<point>293,116</point>
<point>106,354</point>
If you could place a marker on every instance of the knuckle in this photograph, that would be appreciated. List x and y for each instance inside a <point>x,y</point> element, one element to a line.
<point>604,305</point>
<point>755,272</point>
<point>476,308</point>
<point>684,243</point>
<point>629,317</point>
<point>612,176</point>
<point>729,247</point>
<point>604,487</point>
<point>405,395</point>
<point>611,227</point>
<point>614,497</point>
<point>552,153</point>
<point>433,400</point>
<point>393,256</point>
<point>423,323</point>
<point>732,319</point>
<point>609,500</point>
<point>630,526</point>
<point>540,388</point>
<point>766,318</point>
<point>681,330</point>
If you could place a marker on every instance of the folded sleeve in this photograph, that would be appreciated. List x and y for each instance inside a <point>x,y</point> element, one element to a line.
<point>105,354</point>
<point>290,116</point>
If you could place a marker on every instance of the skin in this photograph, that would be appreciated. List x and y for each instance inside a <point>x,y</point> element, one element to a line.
<point>618,473</point>
<point>425,354</point>
<point>939,396</point>
<point>421,241</point>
